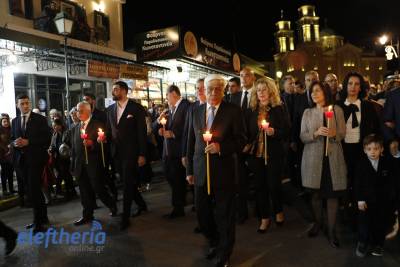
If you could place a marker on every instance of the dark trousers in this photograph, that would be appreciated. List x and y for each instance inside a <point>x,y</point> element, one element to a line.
<point>5,231</point>
<point>89,187</point>
<point>62,167</point>
<point>216,217</point>
<point>21,181</point>
<point>31,173</point>
<point>268,186</point>
<point>175,174</point>
<point>243,187</point>
<point>372,224</point>
<point>128,170</point>
<point>7,172</point>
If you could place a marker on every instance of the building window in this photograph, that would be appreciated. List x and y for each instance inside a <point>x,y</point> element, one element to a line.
<point>306,32</point>
<point>291,44</point>
<point>282,44</point>
<point>329,68</point>
<point>316,32</point>
<point>315,67</point>
<point>380,68</point>
<point>367,68</point>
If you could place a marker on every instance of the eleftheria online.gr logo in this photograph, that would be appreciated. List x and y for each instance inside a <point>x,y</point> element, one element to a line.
<point>61,237</point>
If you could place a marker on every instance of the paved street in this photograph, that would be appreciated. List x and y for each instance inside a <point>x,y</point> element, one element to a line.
<point>154,241</point>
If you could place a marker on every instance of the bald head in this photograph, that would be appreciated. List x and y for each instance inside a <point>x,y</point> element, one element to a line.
<point>332,81</point>
<point>247,78</point>
<point>84,110</point>
<point>310,77</point>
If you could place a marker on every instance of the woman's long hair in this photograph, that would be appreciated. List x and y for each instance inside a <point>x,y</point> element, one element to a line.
<point>273,93</point>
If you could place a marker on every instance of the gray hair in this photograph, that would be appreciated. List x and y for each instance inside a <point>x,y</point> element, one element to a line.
<point>85,104</point>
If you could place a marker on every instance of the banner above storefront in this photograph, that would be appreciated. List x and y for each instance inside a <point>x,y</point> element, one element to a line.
<point>175,42</point>
<point>102,70</point>
<point>133,72</point>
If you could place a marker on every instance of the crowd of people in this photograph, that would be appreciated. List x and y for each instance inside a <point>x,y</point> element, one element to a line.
<point>335,145</point>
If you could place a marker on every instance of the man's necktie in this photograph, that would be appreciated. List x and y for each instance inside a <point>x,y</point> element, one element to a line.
<point>244,103</point>
<point>23,126</point>
<point>172,112</point>
<point>210,117</point>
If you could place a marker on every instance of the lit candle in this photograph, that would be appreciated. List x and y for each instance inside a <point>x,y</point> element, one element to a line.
<point>84,136</point>
<point>163,121</point>
<point>329,116</point>
<point>264,124</point>
<point>100,134</point>
<point>207,136</point>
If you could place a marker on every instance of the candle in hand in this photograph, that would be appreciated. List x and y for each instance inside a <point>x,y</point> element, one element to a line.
<point>329,113</point>
<point>207,136</point>
<point>264,124</point>
<point>163,121</point>
<point>84,134</point>
<point>100,134</point>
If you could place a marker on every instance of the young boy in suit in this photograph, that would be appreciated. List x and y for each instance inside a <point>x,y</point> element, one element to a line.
<point>375,193</point>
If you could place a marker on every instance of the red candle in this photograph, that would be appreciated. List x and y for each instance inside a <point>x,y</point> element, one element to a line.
<point>264,124</point>
<point>84,134</point>
<point>329,113</point>
<point>207,136</point>
<point>100,133</point>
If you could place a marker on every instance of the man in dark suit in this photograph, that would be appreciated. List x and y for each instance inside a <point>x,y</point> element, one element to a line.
<point>101,116</point>
<point>216,212</point>
<point>126,125</point>
<point>31,138</point>
<point>391,114</point>
<point>234,94</point>
<point>173,134</point>
<point>89,171</point>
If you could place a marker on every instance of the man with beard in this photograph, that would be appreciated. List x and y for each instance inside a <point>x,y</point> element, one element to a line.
<point>126,124</point>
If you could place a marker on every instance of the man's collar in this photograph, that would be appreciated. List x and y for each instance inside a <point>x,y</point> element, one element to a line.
<point>26,114</point>
<point>216,107</point>
<point>123,104</point>
<point>357,102</point>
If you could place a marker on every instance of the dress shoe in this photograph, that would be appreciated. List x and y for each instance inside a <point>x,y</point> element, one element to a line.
<point>114,212</point>
<point>139,211</point>
<point>263,230</point>
<point>333,241</point>
<point>29,226</point>
<point>174,214</point>
<point>11,241</point>
<point>83,221</point>
<point>314,230</point>
<point>211,253</point>
<point>124,224</point>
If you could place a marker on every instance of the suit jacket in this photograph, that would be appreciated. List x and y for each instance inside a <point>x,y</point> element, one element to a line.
<point>376,186</point>
<point>314,149</point>
<point>128,138</point>
<point>391,112</point>
<point>300,105</point>
<point>234,98</point>
<point>99,115</point>
<point>38,134</point>
<point>278,120</point>
<point>94,167</point>
<point>369,118</point>
<point>188,120</point>
<point>176,124</point>
<point>228,130</point>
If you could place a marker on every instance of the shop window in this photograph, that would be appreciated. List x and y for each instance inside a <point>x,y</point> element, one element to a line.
<point>21,8</point>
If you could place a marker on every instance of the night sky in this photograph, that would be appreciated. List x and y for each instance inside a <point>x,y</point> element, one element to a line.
<point>249,25</point>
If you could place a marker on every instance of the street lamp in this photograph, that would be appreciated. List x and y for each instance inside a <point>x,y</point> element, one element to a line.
<point>64,27</point>
<point>390,49</point>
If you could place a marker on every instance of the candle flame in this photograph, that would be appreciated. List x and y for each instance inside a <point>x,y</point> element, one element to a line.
<point>207,132</point>
<point>330,108</point>
<point>100,130</point>
<point>83,131</point>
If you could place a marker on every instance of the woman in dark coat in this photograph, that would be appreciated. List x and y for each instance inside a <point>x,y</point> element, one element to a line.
<point>361,120</point>
<point>267,106</point>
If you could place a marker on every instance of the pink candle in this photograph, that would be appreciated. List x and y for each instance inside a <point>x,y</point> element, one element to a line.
<point>100,134</point>
<point>84,134</point>
<point>264,124</point>
<point>207,136</point>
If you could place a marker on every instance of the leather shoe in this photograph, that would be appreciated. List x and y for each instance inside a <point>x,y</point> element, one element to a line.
<point>333,241</point>
<point>211,253</point>
<point>83,221</point>
<point>174,214</point>
<point>314,230</point>
<point>139,211</point>
<point>124,224</point>
<point>29,226</point>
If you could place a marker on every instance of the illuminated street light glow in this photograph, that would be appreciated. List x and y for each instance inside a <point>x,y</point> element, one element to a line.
<point>383,39</point>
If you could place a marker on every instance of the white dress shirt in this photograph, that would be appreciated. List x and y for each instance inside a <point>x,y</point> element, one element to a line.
<point>120,109</point>
<point>374,163</point>
<point>248,95</point>
<point>353,134</point>
<point>27,115</point>
<point>209,110</point>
